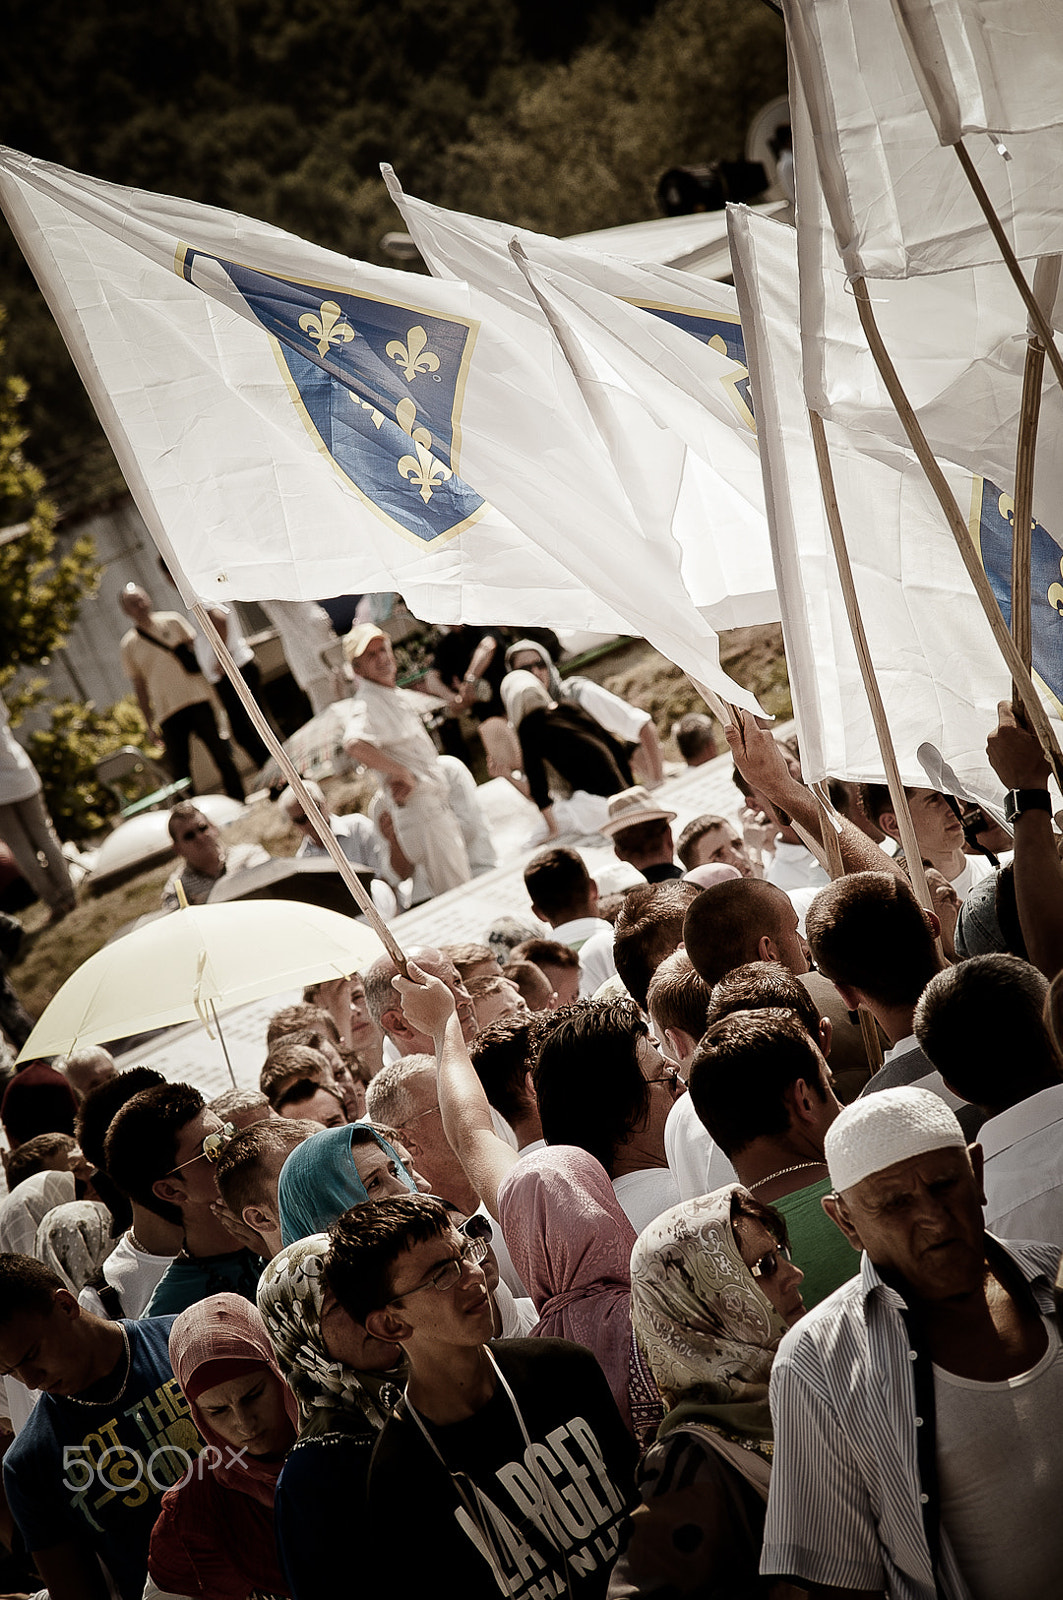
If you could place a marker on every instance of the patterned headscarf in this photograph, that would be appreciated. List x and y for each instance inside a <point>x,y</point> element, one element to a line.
<point>707,1330</point>
<point>319,1180</point>
<point>290,1297</point>
<point>74,1240</point>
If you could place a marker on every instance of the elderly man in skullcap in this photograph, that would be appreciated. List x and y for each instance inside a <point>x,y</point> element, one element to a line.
<point>916,1409</point>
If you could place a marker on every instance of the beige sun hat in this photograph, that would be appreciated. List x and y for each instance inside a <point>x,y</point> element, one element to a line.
<point>632,807</point>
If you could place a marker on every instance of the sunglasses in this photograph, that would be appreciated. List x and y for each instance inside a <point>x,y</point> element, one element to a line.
<point>768,1265</point>
<point>212,1146</point>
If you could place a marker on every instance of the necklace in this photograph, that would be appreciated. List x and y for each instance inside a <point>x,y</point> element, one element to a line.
<point>785,1173</point>
<point>75,1400</point>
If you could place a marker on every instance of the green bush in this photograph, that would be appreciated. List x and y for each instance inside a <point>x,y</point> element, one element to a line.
<point>65,754</point>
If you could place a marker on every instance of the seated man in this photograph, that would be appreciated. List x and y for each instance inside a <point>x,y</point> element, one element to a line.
<point>916,1410</point>
<point>358,839</point>
<point>386,732</point>
<point>160,1151</point>
<point>206,858</point>
<point>762,1087</point>
<point>642,834</point>
<point>110,1432</point>
<point>485,1440</point>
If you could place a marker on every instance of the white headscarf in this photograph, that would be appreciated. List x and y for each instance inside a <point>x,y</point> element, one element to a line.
<point>522,693</point>
<point>24,1209</point>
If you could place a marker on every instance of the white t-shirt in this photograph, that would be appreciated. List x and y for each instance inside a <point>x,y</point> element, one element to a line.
<point>795,867</point>
<point>975,869</point>
<point>596,964</point>
<point>133,1274</point>
<point>695,1160</point>
<point>645,1194</point>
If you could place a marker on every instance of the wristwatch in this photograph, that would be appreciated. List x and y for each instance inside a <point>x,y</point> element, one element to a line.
<point>1016,801</point>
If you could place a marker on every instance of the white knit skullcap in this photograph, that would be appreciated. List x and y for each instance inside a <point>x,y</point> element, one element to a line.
<point>893,1125</point>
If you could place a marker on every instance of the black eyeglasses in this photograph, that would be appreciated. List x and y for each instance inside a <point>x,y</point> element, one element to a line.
<point>670,1078</point>
<point>473,1251</point>
<point>768,1265</point>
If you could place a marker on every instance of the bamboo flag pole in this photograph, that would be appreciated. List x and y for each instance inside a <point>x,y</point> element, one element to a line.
<point>306,800</point>
<point>912,854</point>
<point>1036,715</point>
<point>1037,316</point>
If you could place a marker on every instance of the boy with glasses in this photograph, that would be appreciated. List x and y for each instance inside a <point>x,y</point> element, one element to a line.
<point>514,1454</point>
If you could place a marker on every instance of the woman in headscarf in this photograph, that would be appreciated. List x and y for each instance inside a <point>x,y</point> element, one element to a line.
<point>712,1293</point>
<point>579,749</point>
<point>25,1208</point>
<point>214,1535</point>
<point>345,1382</point>
<point>332,1171</point>
<point>571,1244</point>
<point>74,1240</point>
<point>624,721</point>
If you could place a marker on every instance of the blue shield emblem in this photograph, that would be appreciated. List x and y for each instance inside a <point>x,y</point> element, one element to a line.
<point>992,522</point>
<point>378,386</point>
<point>723,333</point>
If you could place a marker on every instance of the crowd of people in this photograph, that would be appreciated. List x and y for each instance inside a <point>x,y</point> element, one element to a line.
<point>669,1241</point>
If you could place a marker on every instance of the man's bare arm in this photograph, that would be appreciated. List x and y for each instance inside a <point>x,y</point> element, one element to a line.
<point>1016,757</point>
<point>763,765</point>
<point>402,780</point>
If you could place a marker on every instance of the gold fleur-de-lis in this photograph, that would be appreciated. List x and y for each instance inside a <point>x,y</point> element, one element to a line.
<point>422,470</point>
<point>327,329</point>
<point>412,356</point>
<point>376,417</point>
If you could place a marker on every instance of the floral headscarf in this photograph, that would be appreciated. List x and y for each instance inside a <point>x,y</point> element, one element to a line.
<point>707,1330</point>
<point>290,1297</point>
<point>74,1240</point>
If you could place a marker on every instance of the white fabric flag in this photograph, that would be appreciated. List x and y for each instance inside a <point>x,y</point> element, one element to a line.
<point>898,201</point>
<point>639,373</point>
<point>642,315</point>
<point>957,340</point>
<point>293,424</point>
<point>939,669</point>
<point>986,66</point>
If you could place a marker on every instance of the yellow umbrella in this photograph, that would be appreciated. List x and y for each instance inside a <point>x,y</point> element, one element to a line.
<point>197,962</point>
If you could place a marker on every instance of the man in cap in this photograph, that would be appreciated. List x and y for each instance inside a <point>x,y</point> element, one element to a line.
<point>641,832</point>
<point>386,732</point>
<point>915,1409</point>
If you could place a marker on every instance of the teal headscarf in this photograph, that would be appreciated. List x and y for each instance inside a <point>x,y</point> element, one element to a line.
<point>319,1181</point>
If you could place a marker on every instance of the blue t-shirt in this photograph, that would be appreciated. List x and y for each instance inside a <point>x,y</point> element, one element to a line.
<point>190,1279</point>
<point>94,1474</point>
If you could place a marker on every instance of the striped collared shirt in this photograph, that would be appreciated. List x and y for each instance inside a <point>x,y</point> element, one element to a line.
<point>847,1502</point>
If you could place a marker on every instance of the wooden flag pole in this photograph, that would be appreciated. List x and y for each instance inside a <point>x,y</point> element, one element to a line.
<point>1036,716</point>
<point>836,868</point>
<point>913,856</point>
<point>1026,450</point>
<point>1029,299</point>
<point>306,800</point>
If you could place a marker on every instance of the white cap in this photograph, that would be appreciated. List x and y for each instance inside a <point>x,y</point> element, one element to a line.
<point>881,1129</point>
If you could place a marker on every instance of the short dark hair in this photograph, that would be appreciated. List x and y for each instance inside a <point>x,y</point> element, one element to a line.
<point>558,882</point>
<point>678,997</point>
<point>304,1089</point>
<point>685,844</point>
<point>300,1015</point>
<point>102,1104</point>
<point>287,1061</point>
<point>648,928</point>
<point>741,1071</point>
<point>981,1024</point>
<point>183,812</point>
<point>502,1055</point>
<point>763,986</point>
<point>141,1145</point>
<point>480,987</point>
<point>588,1082</point>
<point>35,1155</point>
<point>26,1284</point>
<point>726,923</point>
<point>550,951</point>
<point>237,1171</point>
<point>868,932</point>
<point>534,985</point>
<point>366,1241</point>
<point>643,837</point>
<point>693,734</point>
<point>875,799</point>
